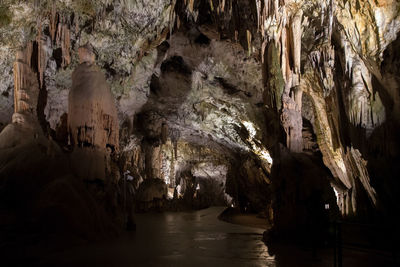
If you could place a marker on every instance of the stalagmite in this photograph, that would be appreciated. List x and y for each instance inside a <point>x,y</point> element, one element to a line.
<point>92,118</point>
<point>53,22</point>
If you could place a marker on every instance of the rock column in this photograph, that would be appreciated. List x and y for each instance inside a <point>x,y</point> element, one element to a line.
<point>92,119</point>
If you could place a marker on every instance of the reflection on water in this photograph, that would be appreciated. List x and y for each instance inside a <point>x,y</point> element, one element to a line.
<point>175,239</point>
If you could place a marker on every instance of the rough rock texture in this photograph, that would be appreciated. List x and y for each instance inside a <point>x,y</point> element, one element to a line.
<point>279,104</point>
<point>92,115</point>
<point>350,37</point>
<point>26,88</point>
<point>7,89</point>
<point>152,189</point>
<point>203,99</point>
<point>40,194</point>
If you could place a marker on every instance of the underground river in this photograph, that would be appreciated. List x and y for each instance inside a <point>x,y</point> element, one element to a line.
<point>195,238</point>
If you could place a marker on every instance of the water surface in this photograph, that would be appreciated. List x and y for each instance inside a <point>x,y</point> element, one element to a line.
<point>195,238</point>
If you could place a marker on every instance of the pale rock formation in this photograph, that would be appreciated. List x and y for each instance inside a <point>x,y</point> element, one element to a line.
<point>26,86</point>
<point>92,115</point>
<point>25,128</point>
<point>303,35</point>
<point>281,23</point>
<point>6,86</point>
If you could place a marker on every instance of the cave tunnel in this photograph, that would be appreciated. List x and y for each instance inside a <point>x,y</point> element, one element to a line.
<point>193,132</point>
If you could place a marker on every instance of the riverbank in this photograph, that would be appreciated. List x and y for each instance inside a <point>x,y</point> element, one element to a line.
<point>234,216</point>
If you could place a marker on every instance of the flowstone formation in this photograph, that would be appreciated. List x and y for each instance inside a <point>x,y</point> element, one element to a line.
<point>25,125</point>
<point>93,128</point>
<point>26,89</point>
<point>92,115</point>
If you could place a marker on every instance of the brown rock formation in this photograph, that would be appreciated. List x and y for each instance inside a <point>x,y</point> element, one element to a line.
<point>92,119</point>
<point>26,87</point>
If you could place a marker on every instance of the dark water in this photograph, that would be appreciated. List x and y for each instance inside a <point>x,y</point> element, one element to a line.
<point>198,238</point>
<point>174,239</point>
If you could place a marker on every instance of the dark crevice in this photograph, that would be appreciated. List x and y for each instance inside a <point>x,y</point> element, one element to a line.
<point>155,86</point>
<point>110,72</point>
<point>229,88</point>
<point>57,56</point>
<point>202,40</point>
<point>176,64</point>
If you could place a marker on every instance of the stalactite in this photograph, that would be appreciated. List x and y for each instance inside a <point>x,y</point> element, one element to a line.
<point>53,22</point>
<point>323,60</point>
<point>274,82</point>
<point>63,40</point>
<point>281,24</point>
<point>222,5</point>
<point>190,5</point>
<point>66,47</point>
<point>259,17</point>
<point>175,134</point>
<point>76,21</point>
<point>211,5</point>
<point>285,56</point>
<point>296,32</point>
<point>249,47</point>
<point>26,88</point>
<point>59,31</point>
<point>173,18</point>
<point>172,169</point>
<point>41,55</point>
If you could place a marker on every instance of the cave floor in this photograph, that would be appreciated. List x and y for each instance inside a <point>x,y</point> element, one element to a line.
<point>195,238</point>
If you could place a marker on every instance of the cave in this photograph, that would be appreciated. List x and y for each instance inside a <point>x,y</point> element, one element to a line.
<point>193,132</point>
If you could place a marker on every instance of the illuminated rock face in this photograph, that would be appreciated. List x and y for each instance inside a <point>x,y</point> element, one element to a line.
<point>25,127</point>
<point>92,119</point>
<point>26,88</point>
<point>302,47</point>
